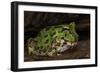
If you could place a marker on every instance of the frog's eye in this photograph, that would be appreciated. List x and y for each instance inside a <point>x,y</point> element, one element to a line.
<point>65,29</point>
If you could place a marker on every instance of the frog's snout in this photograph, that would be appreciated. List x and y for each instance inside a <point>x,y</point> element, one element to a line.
<point>65,45</point>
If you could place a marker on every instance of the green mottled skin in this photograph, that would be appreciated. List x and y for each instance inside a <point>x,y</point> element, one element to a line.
<point>51,35</point>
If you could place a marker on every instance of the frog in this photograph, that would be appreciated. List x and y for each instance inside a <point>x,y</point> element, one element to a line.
<point>53,40</point>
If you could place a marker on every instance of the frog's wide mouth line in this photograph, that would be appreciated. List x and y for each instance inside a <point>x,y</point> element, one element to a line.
<point>56,36</point>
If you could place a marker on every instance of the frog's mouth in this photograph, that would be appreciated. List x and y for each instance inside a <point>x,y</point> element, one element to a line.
<point>64,45</point>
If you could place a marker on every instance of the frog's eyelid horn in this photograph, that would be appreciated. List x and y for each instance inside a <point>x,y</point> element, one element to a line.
<point>70,26</point>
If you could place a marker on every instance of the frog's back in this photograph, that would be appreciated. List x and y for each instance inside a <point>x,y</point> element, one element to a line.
<point>50,31</point>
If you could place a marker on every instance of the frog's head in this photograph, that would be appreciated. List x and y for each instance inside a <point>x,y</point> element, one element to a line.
<point>70,32</point>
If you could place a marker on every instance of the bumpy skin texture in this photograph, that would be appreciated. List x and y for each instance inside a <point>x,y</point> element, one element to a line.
<point>53,39</point>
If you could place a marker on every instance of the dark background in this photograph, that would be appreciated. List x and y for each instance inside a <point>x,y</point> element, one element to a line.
<point>35,21</point>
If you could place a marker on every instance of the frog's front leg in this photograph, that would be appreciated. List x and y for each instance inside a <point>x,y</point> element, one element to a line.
<point>30,50</point>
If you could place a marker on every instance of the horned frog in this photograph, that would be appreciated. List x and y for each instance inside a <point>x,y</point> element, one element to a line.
<point>53,40</point>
